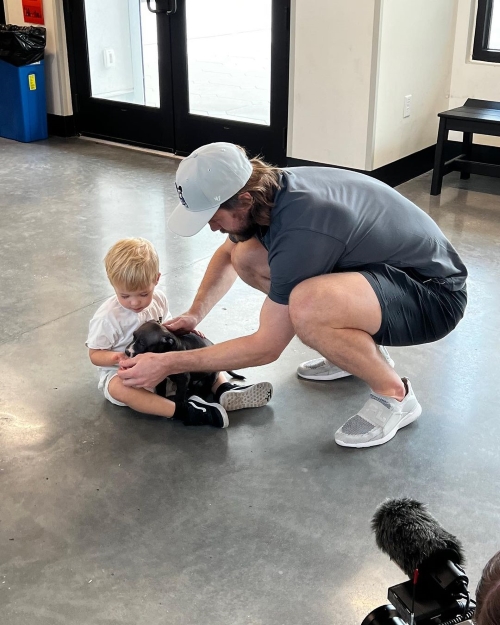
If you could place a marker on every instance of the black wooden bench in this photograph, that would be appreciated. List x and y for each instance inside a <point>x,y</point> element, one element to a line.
<point>474,117</point>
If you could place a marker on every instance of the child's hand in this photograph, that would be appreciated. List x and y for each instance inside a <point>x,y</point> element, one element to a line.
<point>120,356</point>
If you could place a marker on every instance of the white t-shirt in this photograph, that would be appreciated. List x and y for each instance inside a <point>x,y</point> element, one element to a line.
<point>113,326</point>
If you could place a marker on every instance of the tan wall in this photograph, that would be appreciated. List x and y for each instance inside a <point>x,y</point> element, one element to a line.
<point>415,58</point>
<point>331,72</point>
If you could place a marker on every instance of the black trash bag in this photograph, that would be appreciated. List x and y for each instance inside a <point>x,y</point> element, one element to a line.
<point>21,45</point>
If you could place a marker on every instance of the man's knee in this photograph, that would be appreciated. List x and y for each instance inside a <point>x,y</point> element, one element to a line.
<point>344,300</point>
<point>304,306</point>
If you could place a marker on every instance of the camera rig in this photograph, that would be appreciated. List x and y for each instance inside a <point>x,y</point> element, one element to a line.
<point>439,596</point>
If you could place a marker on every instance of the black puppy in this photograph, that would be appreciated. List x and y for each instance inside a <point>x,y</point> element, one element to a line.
<point>152,336</point>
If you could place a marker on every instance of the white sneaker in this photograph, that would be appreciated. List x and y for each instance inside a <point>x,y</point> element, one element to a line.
<point>379,420</point>
<point>251,396</point>
<point>323,369</point>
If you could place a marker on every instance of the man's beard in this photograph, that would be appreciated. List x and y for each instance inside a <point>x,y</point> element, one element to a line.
<point>245,233</point>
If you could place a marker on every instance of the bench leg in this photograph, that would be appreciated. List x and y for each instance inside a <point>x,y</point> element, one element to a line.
<point>467,149</point>
<point>437,174</point>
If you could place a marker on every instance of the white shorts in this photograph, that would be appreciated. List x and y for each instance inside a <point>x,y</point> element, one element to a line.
<point>105,383</point>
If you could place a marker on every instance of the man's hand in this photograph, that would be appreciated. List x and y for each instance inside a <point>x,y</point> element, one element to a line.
<point>144,370</point>
<point>182,324</point>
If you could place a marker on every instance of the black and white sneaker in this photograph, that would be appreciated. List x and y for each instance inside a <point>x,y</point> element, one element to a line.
<point>201,412</point>
<point>251,396</point>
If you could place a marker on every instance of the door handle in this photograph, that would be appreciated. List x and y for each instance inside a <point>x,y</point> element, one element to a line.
<point>172,7</point>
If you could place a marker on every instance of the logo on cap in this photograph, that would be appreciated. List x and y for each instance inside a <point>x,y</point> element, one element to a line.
<point>181,197</point>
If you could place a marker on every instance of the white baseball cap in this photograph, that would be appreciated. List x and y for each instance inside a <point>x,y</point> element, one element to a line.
<point>205,179</point>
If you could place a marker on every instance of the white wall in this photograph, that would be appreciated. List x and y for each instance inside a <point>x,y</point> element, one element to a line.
<point>471,79</point>
<point>56,56</point>
<point>415,58</point>
<point>331,62</point>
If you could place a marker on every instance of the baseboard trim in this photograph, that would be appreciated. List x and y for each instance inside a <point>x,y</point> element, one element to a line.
<point>61,125</point>
<point>406,168</point>
<point>399,171</point>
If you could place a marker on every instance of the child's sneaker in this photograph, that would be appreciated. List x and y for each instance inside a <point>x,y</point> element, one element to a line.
<point>322,369</point>
<point>233,397</point>
<point>379,420</point>
<point>201,412</point>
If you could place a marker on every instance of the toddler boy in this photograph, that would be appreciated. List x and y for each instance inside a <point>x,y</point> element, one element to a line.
<point>132,267</point>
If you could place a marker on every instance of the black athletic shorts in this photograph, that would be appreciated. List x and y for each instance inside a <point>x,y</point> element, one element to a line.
<point>415,310</point>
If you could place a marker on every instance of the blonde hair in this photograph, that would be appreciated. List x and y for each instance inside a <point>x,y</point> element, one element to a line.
<point>262,185</point>
<point>488,593</point>
<point>132,264</point>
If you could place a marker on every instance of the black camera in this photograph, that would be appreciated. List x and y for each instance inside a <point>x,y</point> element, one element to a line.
<point>437,592</point>
<point>439,597</point>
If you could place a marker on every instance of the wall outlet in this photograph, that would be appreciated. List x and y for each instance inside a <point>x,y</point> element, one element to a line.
<point>109,57</point>
<point>406,109</point>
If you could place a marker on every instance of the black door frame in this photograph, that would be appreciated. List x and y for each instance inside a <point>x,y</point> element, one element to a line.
<point>2,12</point>
<point>269,141</point>
<point>108,119</point>
<point>153,129</point>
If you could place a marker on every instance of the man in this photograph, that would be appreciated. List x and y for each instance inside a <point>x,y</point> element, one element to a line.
<point>348,265</point>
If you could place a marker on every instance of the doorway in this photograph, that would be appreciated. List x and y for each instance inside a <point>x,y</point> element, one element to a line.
<point>176,74</point>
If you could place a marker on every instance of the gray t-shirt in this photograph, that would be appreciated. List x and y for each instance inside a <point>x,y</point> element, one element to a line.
<point>326,219</point>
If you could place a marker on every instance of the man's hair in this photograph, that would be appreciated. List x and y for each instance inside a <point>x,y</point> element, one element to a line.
<point>132,264</point>
<point>262,185</point>
<point>488,594</point>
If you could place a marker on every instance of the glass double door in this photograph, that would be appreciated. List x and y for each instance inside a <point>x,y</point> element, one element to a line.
<point>176,74</point>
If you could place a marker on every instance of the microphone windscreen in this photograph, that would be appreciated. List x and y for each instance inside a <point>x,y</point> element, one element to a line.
<point>412,537</point>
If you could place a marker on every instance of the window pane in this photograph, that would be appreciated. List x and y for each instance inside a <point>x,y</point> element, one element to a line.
<point>229,59</point>
<point>123,51</point>
<point>494,38</point>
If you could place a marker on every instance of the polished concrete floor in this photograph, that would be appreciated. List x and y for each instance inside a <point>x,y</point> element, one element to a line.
<point>110,517</point>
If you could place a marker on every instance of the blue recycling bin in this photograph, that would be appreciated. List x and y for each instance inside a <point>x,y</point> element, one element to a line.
<point>23,107</point>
